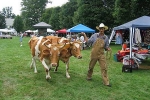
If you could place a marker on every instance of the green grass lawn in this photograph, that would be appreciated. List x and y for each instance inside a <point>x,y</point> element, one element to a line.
<point>19,82</point>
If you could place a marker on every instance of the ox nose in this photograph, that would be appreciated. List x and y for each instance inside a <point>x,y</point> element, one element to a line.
<point>54,64</point>
<point>79,57</point>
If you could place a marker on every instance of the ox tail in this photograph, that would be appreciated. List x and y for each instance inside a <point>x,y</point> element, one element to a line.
<point>29,42</point>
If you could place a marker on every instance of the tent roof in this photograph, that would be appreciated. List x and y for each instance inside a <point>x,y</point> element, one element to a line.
<point>81,28</point>
<point>42,25</point>
<point>143,21</point>
<point>28,31</point>
<point>62,31</point>
<point>7,30</point>
<point>50,30</point>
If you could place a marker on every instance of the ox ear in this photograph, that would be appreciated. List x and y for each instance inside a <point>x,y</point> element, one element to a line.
<point>46,52</point>
<point>64,51</point>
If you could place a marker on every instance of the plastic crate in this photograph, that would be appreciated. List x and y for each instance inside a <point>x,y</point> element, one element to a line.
<point>115,57</point>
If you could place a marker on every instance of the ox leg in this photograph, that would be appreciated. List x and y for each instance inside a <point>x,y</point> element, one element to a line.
<point>49,66</point>
<point>33,64</point>
<point>46,69</point>
<point>67,68</point>
<point>55,70</point>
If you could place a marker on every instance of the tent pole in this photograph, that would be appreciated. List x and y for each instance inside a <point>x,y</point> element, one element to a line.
<point>131,42</point>
<point>112,35</point>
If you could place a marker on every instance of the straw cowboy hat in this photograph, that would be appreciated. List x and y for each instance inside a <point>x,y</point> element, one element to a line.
<point>100,26</point>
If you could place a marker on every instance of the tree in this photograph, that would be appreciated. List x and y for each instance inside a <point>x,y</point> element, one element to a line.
<point>122,11</point>
<point>7,12</point>
<point>2,21</point>
<point>18,24</point>
<point>139,8</point>
<point>93,13</point>
<point>46,15</point>
<point>66,15</point>
<point>32,11</point>
<point>54,20</point>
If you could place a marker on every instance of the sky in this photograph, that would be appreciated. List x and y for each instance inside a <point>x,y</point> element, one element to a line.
<point>16,7</point>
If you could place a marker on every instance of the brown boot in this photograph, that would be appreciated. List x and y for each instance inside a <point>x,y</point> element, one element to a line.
<point>89,76</point>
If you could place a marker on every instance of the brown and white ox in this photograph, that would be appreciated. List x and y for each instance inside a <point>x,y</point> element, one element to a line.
<point>70,49</point>
<point>47,53</point>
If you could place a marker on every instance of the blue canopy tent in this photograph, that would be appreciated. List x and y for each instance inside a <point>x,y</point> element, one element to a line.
<point>81,28</point>
<point>141,22</point>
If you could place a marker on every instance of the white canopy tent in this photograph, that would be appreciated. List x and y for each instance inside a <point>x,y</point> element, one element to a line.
<point>29,31</point>
<point>50,30</point>
<point>36,31</point>
<point>7,30</point>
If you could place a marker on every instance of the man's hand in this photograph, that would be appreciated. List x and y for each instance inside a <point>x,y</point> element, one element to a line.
<point>109,49</point>
<point>82,33</point>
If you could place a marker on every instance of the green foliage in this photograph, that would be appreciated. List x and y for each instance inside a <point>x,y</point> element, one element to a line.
<point>19,82</point>
<point>122,11</point>
<point>46,15</point>
<point>54,20</point>
<point>140,8</point>
<point>126,10</point>
<point>18,23</point>
<point>66,15</point>
<point>93,13</point>
<point>32,11</point>
<point>89,12</point>
<point>2,21</point>
<point>7,12</point>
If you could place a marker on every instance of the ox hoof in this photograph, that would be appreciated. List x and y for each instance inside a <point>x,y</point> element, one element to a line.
<point>35,72</point>
<point>48,77</point>
<point>68,77</point>
<point>31,67</point>
<point>55,70</point>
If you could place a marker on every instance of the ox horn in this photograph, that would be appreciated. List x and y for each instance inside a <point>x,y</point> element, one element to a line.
<point>61,45</point>
<point>44,43</point>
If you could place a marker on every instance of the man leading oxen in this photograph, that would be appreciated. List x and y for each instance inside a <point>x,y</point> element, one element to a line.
<point>43,50</point>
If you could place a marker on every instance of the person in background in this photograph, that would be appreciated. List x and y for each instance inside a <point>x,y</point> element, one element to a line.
<point>118,38</point>
<point>82,40</point>
<point>0,33</point>
<point>21,37</point>
<point>100,42</point>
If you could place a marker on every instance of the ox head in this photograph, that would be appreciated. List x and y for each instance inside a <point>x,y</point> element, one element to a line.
<point>54,39</point>
<point>76,49</point>
<point>52,52</point>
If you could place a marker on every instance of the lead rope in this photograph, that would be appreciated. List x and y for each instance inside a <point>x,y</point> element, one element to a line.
<point>108,54</point>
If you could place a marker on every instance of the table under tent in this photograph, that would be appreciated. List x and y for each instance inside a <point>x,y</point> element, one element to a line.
<point>135,42</point>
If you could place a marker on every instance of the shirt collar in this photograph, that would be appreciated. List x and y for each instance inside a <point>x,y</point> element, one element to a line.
<point>103,37</point>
